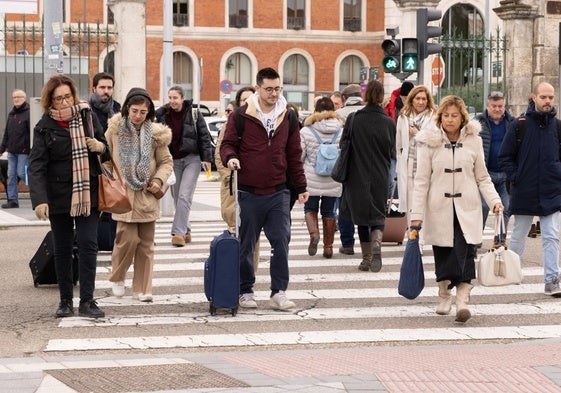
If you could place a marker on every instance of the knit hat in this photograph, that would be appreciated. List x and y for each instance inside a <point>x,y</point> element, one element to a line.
<point>406,87</point>
<point>138,91</point>
<point>353,90</point>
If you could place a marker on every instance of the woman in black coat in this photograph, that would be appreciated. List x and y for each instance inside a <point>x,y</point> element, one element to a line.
<point>365,193</point>
<point>62,173</point>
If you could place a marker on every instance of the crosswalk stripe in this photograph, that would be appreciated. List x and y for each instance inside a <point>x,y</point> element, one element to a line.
<point>307,337</point>
<point>261,315</point>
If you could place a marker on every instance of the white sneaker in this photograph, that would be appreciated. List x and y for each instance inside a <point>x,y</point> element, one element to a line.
<point>279,301</point>
<point>145,297</point>
<point>118,289</point>
<point>247,300</point>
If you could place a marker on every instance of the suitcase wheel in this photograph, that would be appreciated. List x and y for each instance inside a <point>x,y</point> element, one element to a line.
<point>399,243</point>
<point>234,311</point>
<point>212,309</point>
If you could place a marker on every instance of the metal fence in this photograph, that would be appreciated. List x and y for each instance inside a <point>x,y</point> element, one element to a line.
<point>464,65</point>
<point>22,61</point>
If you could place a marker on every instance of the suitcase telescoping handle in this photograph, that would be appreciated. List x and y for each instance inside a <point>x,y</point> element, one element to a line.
<point>236,204</point>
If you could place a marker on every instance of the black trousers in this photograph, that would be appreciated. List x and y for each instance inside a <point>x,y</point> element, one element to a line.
<point>456,263</point>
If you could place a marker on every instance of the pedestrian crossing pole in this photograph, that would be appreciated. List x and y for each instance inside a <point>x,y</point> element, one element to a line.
<point>54,32</point>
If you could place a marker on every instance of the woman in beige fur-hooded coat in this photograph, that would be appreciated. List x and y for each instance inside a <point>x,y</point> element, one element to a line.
<point>140,150</point>
<point>451,174</point>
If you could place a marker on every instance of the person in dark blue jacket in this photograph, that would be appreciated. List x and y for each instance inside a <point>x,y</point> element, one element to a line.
<point>494,123</point>
<point>533,167</point>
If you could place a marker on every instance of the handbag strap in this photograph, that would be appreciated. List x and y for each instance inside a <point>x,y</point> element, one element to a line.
<point>109,174</point>
<point>500,231</point>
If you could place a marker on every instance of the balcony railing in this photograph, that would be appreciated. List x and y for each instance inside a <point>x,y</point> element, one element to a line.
<point>352,24</point>
<point>237,20</point>
<point>295,22</point>
<point>180,20</point>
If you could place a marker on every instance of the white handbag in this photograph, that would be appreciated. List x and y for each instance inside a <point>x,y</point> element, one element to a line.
<point>499,266</point>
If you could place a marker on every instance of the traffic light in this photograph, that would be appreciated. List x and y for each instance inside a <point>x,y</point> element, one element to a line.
<point>392,53</point>
<point>409,57</point>
<point>425,32</point>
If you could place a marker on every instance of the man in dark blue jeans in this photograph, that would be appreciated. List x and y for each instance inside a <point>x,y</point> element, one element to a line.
<point>266,154</point>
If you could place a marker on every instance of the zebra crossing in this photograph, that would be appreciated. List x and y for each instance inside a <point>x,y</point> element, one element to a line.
<point>336,304</point>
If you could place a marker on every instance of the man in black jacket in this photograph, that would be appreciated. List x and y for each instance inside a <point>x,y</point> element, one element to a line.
<point>101,100</point>
<point>16,142</point>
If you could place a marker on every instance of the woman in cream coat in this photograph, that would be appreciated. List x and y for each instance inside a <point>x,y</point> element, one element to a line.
<point>417,114</point>
<point>140,150</point>
<point>450,176</point>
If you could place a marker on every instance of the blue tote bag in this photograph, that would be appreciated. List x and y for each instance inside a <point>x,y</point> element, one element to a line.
<point>412,274</point>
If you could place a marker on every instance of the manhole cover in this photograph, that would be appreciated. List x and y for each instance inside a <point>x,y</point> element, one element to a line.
<point>143,378</point>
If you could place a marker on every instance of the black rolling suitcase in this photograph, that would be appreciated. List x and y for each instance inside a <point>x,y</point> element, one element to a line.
<point>106,230</point>
<point>222,268</point>
<point>42,264</point>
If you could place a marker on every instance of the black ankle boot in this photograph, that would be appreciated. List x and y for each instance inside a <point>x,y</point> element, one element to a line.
<point>65,309</point>
<point>90,309</point>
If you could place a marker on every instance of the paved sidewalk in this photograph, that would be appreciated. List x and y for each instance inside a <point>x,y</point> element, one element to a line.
<point>533,366</point>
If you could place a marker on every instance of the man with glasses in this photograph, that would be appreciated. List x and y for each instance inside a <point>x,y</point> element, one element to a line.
<point>101,100</point>
<point>494,123</point>
<point>16,142</point>
<point>268,151</point>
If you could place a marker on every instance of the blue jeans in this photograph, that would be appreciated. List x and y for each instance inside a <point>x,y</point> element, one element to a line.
<point>187,170</point>
<point>16,171</point>
<point>62,226</point>
<point>549,226</point>
<point>272,214</point>
<point>327,205</point>
<point>499,181</point>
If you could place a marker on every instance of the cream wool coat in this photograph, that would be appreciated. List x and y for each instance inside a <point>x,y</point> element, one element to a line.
<point>442,170</point>
<point>145,207</point>
<point>404,168</point>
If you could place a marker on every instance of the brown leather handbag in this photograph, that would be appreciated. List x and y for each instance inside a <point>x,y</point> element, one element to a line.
<point>112,191</point>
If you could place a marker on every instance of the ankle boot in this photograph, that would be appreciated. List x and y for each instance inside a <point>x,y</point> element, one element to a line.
<point>329,225</point>
<point>366,256</point>
<point>313,229</point>
<point>463,291</point>
<point>445,304</point>
<point>376,265</point>
<point>532,232</point>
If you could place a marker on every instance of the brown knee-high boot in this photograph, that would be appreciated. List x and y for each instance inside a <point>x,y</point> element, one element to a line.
<point>445,304</point>
<point>376,265</point>
<point>313,229</point>
<point>328,235</point>
<point>366,256</point>
<point>463,291</point>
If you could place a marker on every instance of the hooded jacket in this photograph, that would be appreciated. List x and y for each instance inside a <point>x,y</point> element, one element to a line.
<point>265,162</point>
<point>145,206</point>
<point>532,166</point>
<point>325,124</point>
<point>449,180</point>
<point>16,135</point>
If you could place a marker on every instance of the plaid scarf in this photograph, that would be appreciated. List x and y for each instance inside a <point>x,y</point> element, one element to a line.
<point>80,203</point>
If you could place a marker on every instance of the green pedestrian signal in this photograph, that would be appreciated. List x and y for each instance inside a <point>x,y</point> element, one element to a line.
<point>392,53</point>
<point>410,57</point>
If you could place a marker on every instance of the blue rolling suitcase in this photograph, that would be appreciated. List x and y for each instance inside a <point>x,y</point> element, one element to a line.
<point>106,232</point>
<point>222,268</point>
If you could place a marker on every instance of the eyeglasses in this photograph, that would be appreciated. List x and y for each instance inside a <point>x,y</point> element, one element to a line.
<point>229,110</point>
<point>66,98</point>
<point>270,90</point>
<point>496,95</point>
<point>16,97</point>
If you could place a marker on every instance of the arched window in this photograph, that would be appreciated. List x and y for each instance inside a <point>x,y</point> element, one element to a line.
<point>238,70</point>
<point>183,73</point>
<point>464,29</point>
<point>349,71</point>
<point>296,74</point>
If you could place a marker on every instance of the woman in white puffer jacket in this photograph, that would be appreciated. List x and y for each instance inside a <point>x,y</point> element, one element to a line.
<point>328,127</point>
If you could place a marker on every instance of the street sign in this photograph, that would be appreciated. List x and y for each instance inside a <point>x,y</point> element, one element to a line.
<point>437,71</point>
<point>226,86</point>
